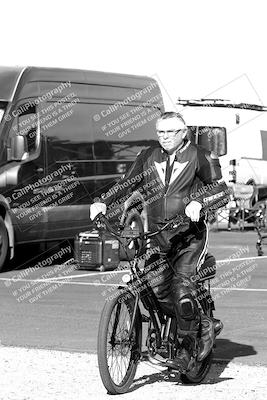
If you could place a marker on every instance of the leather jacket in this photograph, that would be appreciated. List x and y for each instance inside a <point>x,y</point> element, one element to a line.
<point>195,175</point>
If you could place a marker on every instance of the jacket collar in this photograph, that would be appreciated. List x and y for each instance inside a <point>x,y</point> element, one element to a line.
<point>177,152</point>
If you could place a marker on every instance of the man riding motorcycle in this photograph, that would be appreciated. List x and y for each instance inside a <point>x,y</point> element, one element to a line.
<point>188,179</point>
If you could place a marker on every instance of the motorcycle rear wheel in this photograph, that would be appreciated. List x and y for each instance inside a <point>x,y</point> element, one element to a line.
<point>199,372</point>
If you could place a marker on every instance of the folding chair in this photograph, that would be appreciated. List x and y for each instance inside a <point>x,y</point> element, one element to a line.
<point>243,212</point>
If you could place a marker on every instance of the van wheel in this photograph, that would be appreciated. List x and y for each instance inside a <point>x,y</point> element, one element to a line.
<point>4,245</point>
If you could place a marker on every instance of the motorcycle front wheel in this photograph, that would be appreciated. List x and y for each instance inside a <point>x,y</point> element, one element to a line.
<point>118,353</point>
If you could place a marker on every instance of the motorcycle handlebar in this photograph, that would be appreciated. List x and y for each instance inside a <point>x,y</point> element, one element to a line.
<point>172,223</point>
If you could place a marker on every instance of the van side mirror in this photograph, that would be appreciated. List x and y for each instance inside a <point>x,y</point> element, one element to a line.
<point>26,139</point>
<point>17,147</point>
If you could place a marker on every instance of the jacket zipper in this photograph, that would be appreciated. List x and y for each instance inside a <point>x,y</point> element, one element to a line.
<point>166,189</point>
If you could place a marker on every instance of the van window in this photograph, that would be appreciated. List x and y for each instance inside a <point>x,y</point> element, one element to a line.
<point>125,130</point>
<point>120,133</point>
<point>76,134</point>
<point>68,136</point>
<point>213,138</point>
<point>97,154</point>
<point>68,142</point>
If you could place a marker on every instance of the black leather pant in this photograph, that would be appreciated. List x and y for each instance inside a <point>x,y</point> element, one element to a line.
<point>171,271</point>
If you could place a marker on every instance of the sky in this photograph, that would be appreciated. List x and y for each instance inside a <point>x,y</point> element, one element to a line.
<point>195,49</point>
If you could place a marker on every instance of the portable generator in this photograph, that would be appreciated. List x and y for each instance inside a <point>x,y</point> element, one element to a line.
<point>102,250</point>
<point>96,249</point>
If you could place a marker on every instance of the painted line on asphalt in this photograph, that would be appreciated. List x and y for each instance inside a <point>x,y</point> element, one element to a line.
<point>227,260</point>
<point>62,282</point>
<point>240,259</point>
<point>223,246</point>
<point>114,284</point>
<point>93,274</point>
<point>239,289</point>
<point>84,275</point>
<point>99,274</point>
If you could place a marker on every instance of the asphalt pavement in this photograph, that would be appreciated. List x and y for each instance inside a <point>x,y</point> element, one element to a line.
<point>57,307</point>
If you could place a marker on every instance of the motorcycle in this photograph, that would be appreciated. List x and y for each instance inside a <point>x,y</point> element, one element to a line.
<point>119,344</point>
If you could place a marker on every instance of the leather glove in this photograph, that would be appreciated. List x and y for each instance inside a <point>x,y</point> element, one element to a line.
<point>192,210</point>
<point>97,208</point>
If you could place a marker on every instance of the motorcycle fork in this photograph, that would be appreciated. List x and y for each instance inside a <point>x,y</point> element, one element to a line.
<point>172,339</point>
<point>118,310</point>
<point>136,301</point>
<point>158,320</point>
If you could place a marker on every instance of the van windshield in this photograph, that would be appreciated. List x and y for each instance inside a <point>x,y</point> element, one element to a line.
<point>2,109</point>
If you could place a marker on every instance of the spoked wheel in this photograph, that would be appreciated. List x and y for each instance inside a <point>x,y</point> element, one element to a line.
<point>118,354</point>
<point>199,370</point>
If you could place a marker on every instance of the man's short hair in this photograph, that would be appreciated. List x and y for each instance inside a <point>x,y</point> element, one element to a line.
<point>172,114</point>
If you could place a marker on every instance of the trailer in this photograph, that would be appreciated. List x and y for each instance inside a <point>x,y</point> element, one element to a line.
<point>237,132</point>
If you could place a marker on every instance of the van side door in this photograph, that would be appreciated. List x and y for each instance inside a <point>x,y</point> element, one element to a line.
<point>70,168</point>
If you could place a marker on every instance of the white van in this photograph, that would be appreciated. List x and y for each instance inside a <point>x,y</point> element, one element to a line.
<point>66,136</point>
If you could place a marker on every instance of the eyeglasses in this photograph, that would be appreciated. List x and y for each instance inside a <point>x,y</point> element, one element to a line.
<point>171,133</point>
